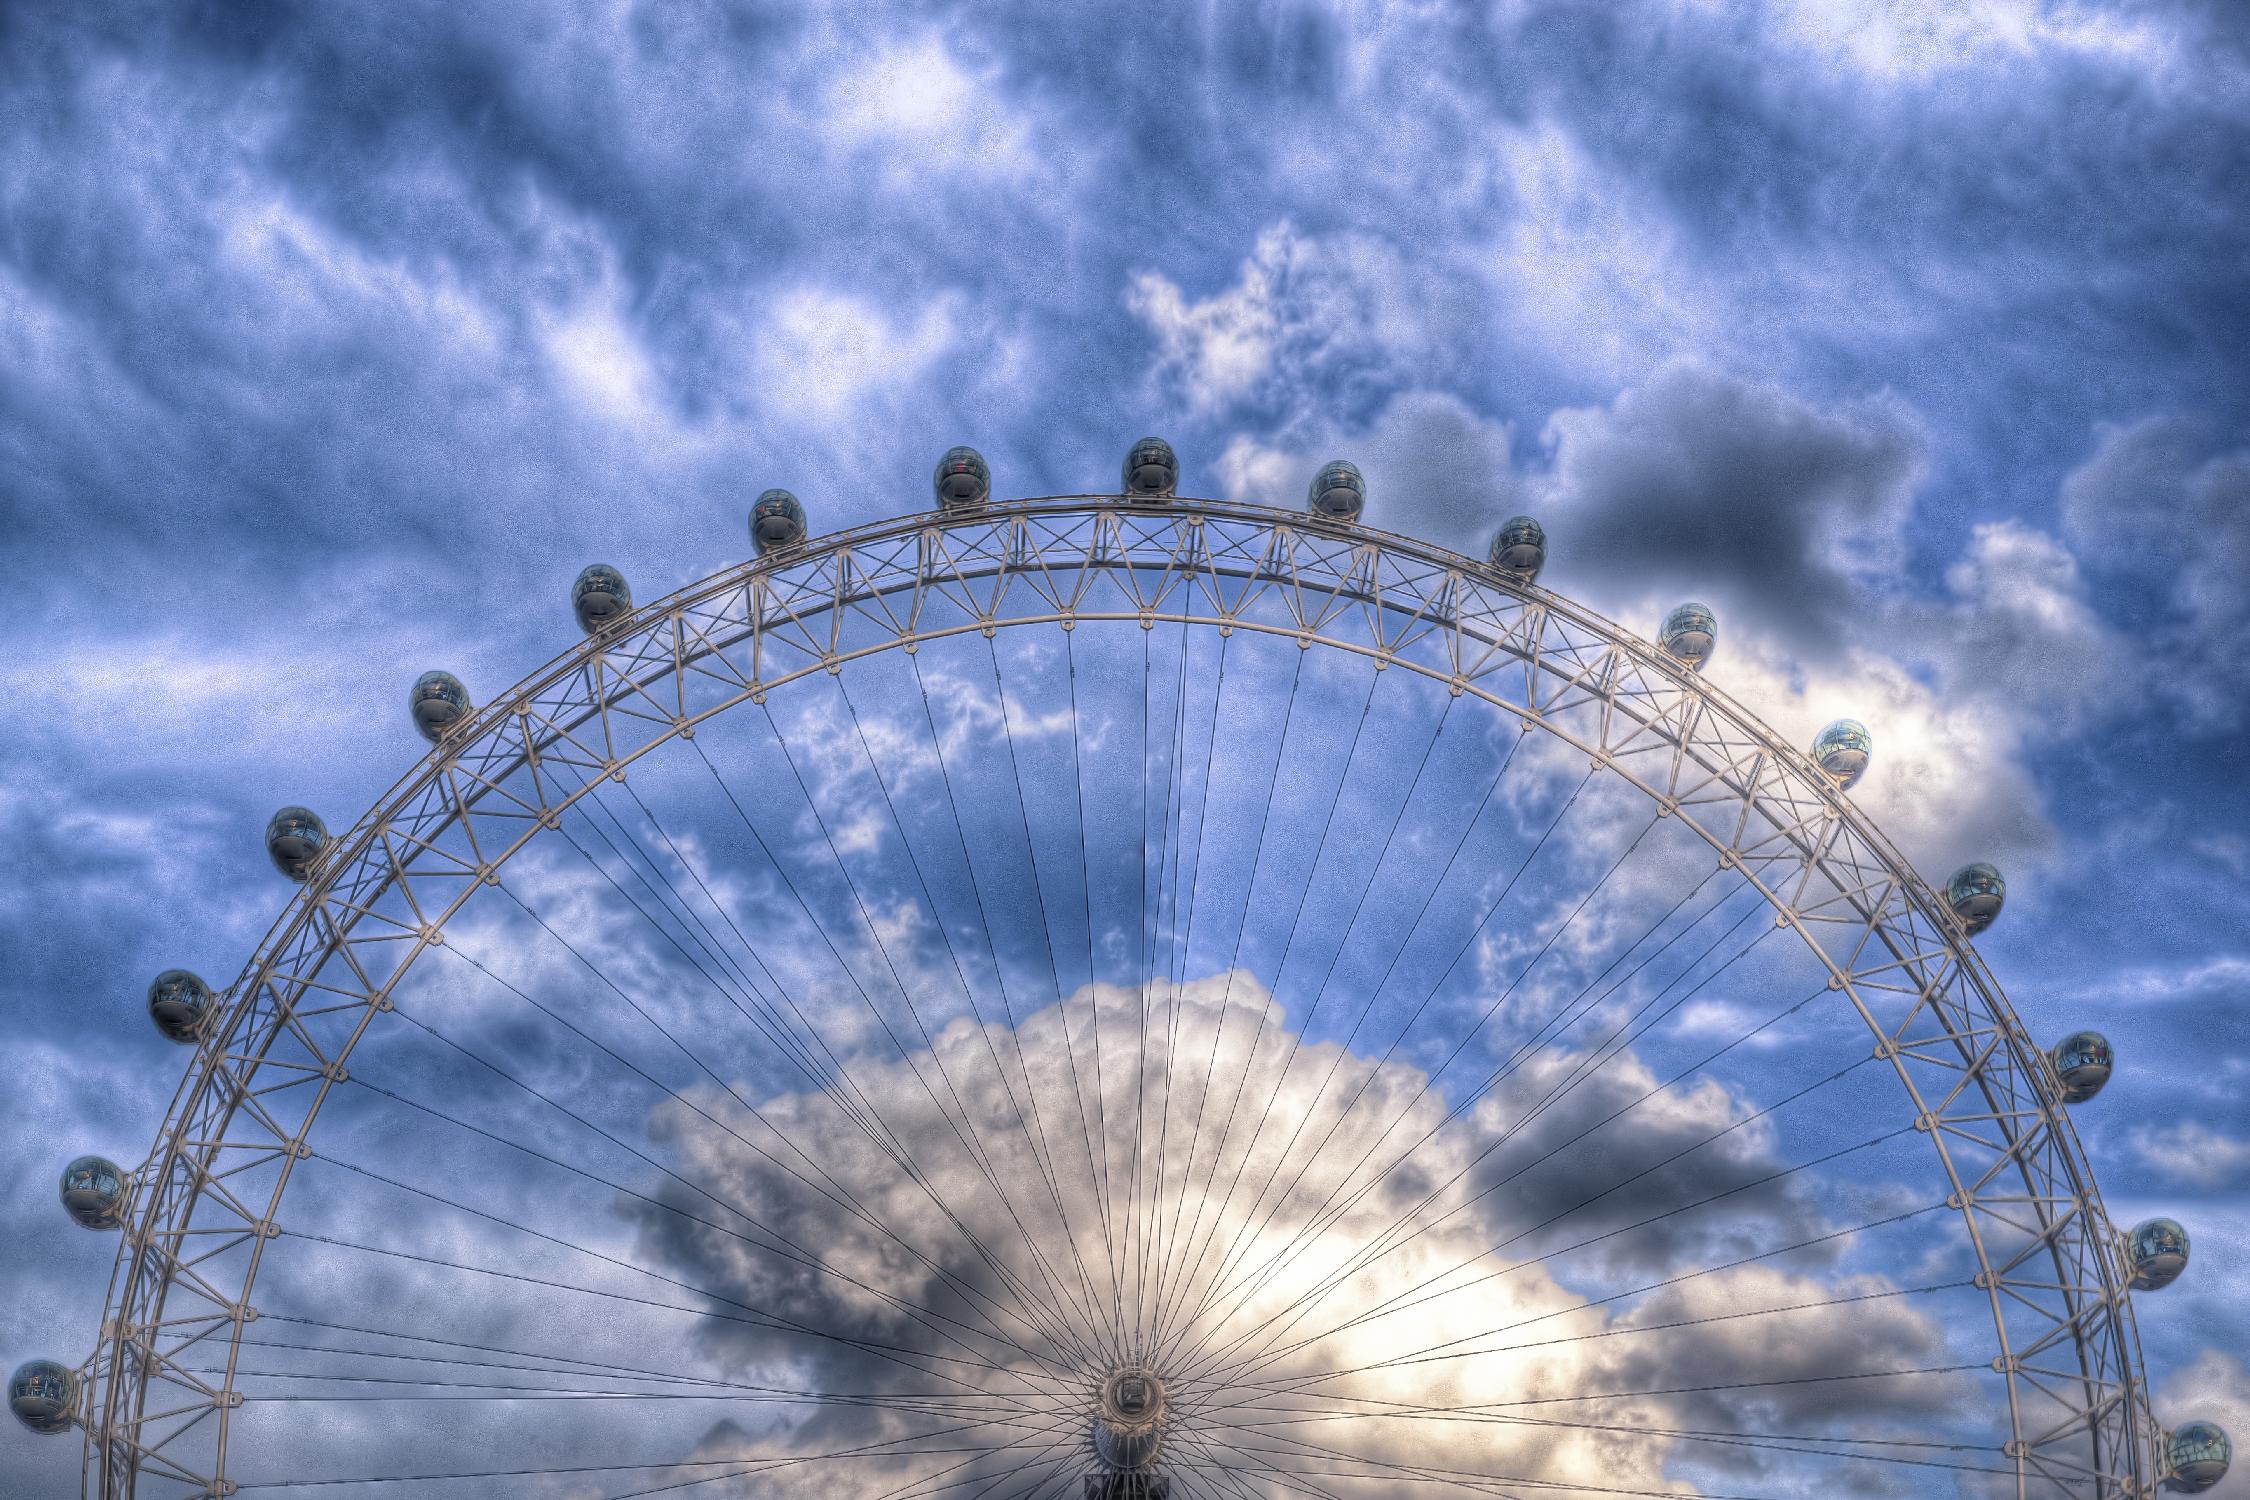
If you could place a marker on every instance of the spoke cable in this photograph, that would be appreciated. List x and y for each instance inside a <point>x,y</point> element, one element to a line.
<point>968,1139</point>
<point>834,1191</point>
<point>1382,1244</point>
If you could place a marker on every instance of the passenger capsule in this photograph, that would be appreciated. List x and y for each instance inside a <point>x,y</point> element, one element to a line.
<point>93,1193</point>
<point>776,521</point>
<point>438,703</point>
<point>1691,633</point>
<point>42,1394</point>
<point>181,1005</point>
<point>1976,893</point>
<point>2083,1062</point>
<point>1151,469</point>
<point>1519,548</point>
<point>1338,490</point>
<point>1843,750</point>
<point>295,839</point>
<point>2197,1455</point>
<point>600,598</point>
<point>962,479</point>
<point>2157,1252</point>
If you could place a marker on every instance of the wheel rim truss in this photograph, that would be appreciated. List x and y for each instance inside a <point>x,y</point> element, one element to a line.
<point>206,1202</point>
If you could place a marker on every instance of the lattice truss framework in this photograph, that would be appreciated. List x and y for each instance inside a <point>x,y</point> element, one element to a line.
<point>208,1201</point>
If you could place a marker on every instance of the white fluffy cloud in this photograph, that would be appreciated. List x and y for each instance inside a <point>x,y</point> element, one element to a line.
<point>821,353</point>
<point>1311,323</point>
<point>1905,43</point>
<point>2192,1153</point>
<point>1317,1361</point>
<point>2215,1388</point>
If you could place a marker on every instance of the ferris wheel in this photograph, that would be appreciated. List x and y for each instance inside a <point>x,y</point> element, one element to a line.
<point>1116,995</point>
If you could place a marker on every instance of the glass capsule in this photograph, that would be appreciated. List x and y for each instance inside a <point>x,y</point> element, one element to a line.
<point>1843,750</point>
<point>2083,1062</point>
<point>181,1005</point>
<point>2197,1455</point>
<point>1519,548</point>
<point>93,1193</point>
<point>777,520</point>
<point>42,1394</point>
<point>439,703</point>
<point>962,479</point>
<point>1976,893</point>
<point>1691,633</point>
<point>2157,1252</point>
<point>600,597</point>
<point>295,837</point>
<point>1338,490</point>
<point>1151,469</point>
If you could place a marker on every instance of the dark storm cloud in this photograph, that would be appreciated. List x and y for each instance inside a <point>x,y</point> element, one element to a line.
<point>1700,484</point>
<point>1799,521</point>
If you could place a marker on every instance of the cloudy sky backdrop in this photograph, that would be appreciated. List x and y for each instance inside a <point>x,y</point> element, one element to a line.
<point>333,341</point>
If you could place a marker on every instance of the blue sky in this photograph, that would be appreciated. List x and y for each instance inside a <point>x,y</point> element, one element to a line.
<point>333,341</point>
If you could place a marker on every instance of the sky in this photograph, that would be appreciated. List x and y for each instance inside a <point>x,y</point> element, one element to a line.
<point>1909,337</point>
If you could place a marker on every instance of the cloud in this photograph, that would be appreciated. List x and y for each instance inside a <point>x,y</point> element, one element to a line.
<point>604,364</point>
<point>1434,467</point>
<point>2214,1388</point>
<point>1794,519</point>
<point>955,1249</point>
<point>1313,326</point>
<point>2156,508</point>
<point>911,99</point>
<point>332,349</point>
<point>1907,43</point>
<point>1697,481</point>
<point>1589,270</point>
<point>2192,1153</point>
<point>2024,628</point>
<point>825,352</point>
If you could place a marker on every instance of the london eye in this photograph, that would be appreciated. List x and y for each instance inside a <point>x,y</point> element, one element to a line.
<point>1124,995</point>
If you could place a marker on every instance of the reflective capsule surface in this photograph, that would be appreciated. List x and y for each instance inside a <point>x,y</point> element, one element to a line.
<point>777,520</point>
<point>295,837</point>
<point>1152,470</point>
<point>962,479</point>
<point>438,702</point>
<point>1338,490</point>
<point>42,1393</point>
<point>2198,1455</point>
<point>600,598</point>
<point>2083,1062</point>
<point>1976,893</point>
<point>180,1004</point>
<point>1691,633</point>
<point>2157,1251</point>
<point>93,1193</point>
<point>1843,750</point>
<point>1519,548</point>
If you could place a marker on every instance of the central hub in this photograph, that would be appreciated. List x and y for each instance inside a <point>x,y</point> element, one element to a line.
<point>1129,1418</point>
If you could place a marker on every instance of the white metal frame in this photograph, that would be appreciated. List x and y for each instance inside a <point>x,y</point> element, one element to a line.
<point>208,1200</point>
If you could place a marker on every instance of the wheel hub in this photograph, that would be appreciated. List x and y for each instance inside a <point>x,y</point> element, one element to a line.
<point>1129,1416</point>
